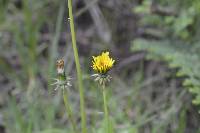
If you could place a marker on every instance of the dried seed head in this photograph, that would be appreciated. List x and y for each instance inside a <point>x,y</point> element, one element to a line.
<point>60,66</point>
<point>61,81</point>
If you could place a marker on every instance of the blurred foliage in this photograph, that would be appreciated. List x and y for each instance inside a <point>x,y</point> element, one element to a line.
<point>179,55</point>
<point>180,45</point>
<point>175,18</point>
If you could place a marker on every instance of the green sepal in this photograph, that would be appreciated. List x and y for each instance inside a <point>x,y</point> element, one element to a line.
<point>62,77</point>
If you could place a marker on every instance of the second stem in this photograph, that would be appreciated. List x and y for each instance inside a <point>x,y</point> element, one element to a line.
<point>107,119</point>
<point>69,110</point>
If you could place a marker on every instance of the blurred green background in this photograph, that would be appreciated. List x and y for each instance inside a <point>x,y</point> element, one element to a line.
<point>155,84</point>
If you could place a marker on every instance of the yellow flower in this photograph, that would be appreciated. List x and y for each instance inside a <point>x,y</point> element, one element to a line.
<point>102,63</point>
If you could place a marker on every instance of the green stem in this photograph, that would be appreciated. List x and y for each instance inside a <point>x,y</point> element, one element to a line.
<point>108,128</point>
<point>78,69</point>
<point>69,110</point>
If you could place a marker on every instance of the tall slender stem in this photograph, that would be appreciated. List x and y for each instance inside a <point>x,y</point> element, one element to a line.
<point>69,110</point>
<point>108,128</point>
<point>78,69</point>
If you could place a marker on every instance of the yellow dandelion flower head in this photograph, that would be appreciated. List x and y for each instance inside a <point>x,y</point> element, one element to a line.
<point>102,63</point>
